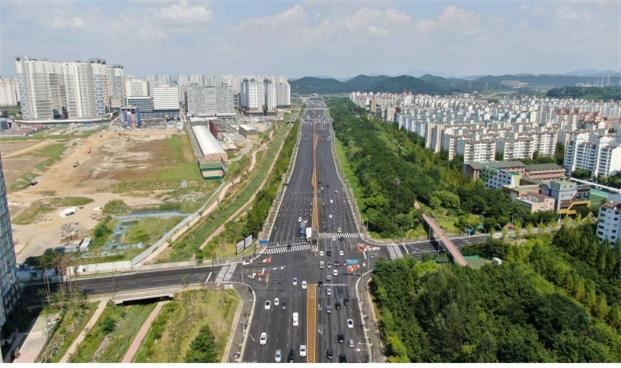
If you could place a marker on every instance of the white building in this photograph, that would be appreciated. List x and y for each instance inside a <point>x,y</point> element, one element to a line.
<point>252,96</point>
<point>8,92</point>
<point>116,83</point>
<point>165,98</point>
<point>270,95</point>
<point>601,155</point>
<point>8,267</point>
<point>158,80</point>
<point>609,222</point>
<point>495,178</point>
<point>51,90</point>
<point>476,150</point>
<point>283,92</point>
<point>201,100</point>
<point>135,87</point>
<point>225,100</point>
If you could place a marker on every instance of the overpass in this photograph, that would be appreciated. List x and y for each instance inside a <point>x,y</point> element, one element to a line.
<point>448,243</point>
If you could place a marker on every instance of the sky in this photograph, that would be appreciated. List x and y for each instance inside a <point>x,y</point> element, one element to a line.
<point>337,38</point>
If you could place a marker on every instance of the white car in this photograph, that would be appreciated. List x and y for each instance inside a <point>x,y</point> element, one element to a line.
<point>321,253</point>
<point>268,305</point>
<point>303,284</point>
<point>350,323</point>
<point>263,338</point>
<point>341,253</point>
<point>278,356</point>
<point>302,351</point>
<point>335,272</point>
<point>329,291</point>
<point>334,238</point>
<point>330,216</point>
<point>300,219</point>
<point>276,301</point>
<point>295,281</point>
<point>331,201</point>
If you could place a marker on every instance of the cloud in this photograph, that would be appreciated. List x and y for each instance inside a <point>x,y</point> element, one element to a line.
<point>451,18</point>
<point>377,22</point>
<point>183,14</point>
<point>72,23</point>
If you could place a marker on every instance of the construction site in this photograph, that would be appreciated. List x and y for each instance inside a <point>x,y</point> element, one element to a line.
<point>59,183</point>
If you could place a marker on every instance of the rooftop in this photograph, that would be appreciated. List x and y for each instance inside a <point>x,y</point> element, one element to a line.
<point>496,164</point>
<point>543,167</point>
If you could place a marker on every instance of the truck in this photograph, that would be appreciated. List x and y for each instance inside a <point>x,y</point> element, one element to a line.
<point>295,319</point>
<point>309,233</point>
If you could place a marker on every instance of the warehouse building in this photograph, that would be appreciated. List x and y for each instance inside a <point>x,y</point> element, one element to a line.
<point>212,156</point>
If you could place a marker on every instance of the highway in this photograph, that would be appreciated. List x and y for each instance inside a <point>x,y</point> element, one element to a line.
<point>275,279</point>
<point>328,303</point>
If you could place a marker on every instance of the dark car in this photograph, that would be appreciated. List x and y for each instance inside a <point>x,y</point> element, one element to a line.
<point>291,356</point>
<point>337,305</point>
<point>283,305</point>
<point>340,338</point>
<point>346,302</point>
<point>344,263</point>
<point>337,263</point>
<point>328,253</point>
<point>329,354</point>
<point>342,358</point>
<point>320,283</point>
<point>341,238</point>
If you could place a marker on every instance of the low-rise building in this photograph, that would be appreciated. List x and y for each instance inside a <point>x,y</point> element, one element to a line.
<point>544,172</point>
<point>473,169</point>
<point>247,131</point>
<point>496,178</point>
<point>535,202</point>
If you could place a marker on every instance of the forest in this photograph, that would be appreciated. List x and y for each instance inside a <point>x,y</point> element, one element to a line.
<point>393,169</point>
<point>553,299</point>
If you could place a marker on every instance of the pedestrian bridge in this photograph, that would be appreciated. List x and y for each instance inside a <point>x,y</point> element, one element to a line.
<point>448,243</point>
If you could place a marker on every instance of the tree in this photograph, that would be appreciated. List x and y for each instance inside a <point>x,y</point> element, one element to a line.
<point>203,349</point>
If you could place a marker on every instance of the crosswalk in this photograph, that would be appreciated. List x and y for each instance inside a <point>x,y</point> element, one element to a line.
<point>338,235</point>
<point>226,272</point>
<point>283,249</point>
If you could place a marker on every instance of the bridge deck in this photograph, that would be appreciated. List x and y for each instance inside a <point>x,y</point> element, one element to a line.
<point>448,243</point>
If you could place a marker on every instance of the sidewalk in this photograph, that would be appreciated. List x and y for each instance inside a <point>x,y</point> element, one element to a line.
<point>370,320</point>
<point>35,341</point>
<point>241,327</point>
<point>74,345</point>
<point>135,345</point>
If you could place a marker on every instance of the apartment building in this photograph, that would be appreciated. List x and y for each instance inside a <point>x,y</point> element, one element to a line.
<point>66,90</point>
<point>135,87</point>
<point>8,268</point>
<point>8,92</point>
<point>609,221</point>
<point>476,150</point>
<point>165,97</point>
<point>601,155</point>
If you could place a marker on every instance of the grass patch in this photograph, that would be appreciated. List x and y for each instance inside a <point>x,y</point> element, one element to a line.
<point>180,321</point>
<point>38,208</point>
<point>148,230</point>
<point>115,207</point>
<point>102,232</point>
<point>185,247</point>
<point>46,157</point>
<point>111,336</point>
<point>176,163</point>
<point>74,315</point>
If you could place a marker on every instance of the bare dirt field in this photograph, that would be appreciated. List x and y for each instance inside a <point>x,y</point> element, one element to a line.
<point>144,168</point>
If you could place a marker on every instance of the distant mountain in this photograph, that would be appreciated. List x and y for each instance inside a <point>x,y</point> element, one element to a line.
<point>406,83</point>
<point>309,85</point>
<point>433,84</point>
<point>365,82</point>
<point>542,81</point>
<point>588,72</point>
<point>589,93</point>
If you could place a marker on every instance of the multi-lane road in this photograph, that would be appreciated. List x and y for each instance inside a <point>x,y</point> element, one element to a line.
<point>309,278</point>
<point>329,300</point>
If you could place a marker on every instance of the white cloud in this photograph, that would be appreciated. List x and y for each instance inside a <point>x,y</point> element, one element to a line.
<point>451,18</point>
<point>377,22</point>
<point>72,23</point>
<point>183,13</point>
